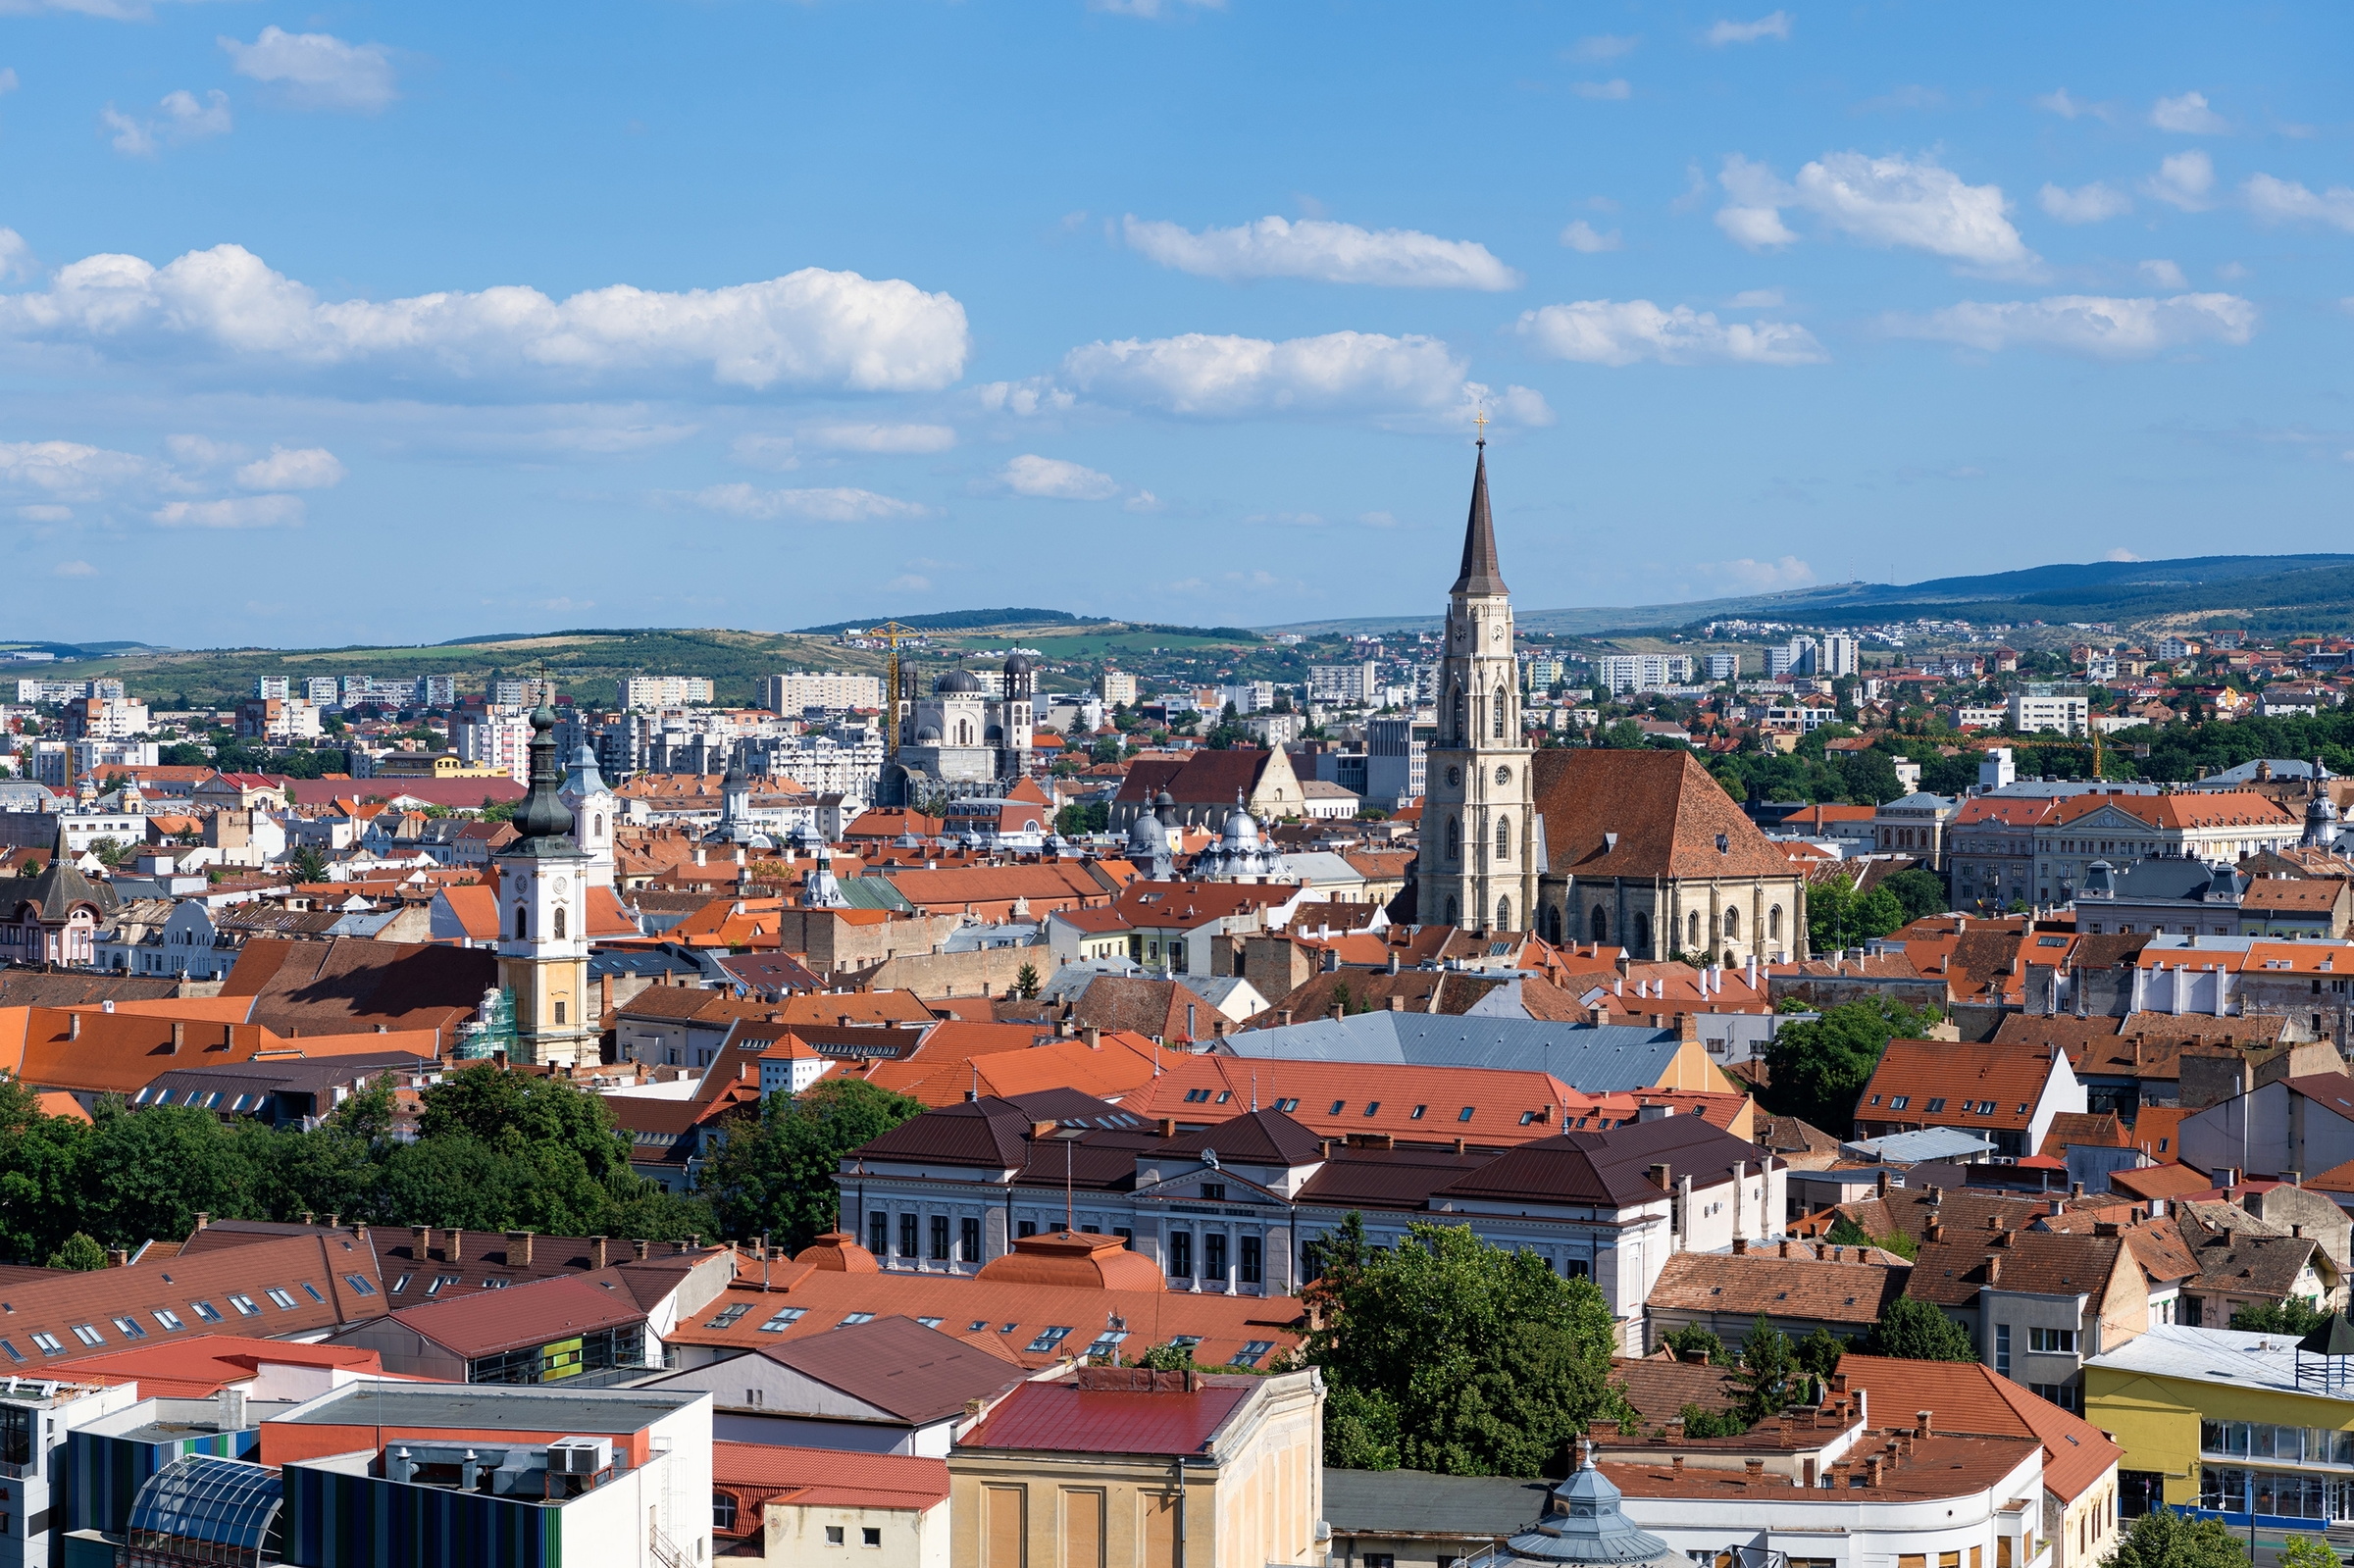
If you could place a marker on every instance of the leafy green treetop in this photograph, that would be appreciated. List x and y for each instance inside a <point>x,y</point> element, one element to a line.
<point>1912,1329</point>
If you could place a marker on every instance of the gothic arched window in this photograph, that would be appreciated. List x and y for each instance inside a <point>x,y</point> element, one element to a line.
<point>1601,925</point>
<point>1451,914</point>
<point>1643,933</point>
<point>1732,923</point>
<point>1461,733</point>
<point>1454,838</point>
<point>1692,929</point>
<point>1773,924</point>
<point>1504,914</point>
<point>560,924</point>
<point>1496,719</point>
<point>1503,839</point>
<point>522,923</point>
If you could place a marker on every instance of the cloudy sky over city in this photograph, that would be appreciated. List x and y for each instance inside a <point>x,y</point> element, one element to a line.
<point>382,322</point>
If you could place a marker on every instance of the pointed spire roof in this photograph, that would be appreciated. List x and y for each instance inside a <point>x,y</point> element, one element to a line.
<point>1481,572</point>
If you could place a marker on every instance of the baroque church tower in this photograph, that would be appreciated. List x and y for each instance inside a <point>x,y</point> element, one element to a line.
<point>1482,847</point>
<point>544,878</point>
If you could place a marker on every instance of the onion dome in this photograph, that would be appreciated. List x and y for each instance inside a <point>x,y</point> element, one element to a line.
<point>957,683</point>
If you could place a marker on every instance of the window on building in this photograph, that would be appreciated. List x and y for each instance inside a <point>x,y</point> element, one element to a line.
<point>727,1316</point>
<point>280,1298</point>
<point>785,1318</point>
<point>723,1510</point>
<point>1732,923</point>
<point>522,918</point>
<point>1213,1192</point>
<point>940,1239</point>
<point>1213,1256</point>
<point>832,1535</point>
<point>48,1343</point>
<point>1247,1268</point>
<point>1504,914</point>
<point>1048,1339</point>
<point>2052,1341</point>
<point>1503,839</point>
<point>1897,1102</point>
<point>168,1318</point>
<point>1935,1105</point>
<point>1286,1105</point>
<point>2002,1349</point>
<point>130,1329</point>
<point>246,1308</point>
<point>969,1241</point>
<point>2066,1395</point>
<point>1466,1114</point>
<point>1454,838</point>
<point>855,1319</point>
<point>870,1535</point>
<point>1022,1228</point>
<point>878,1234</point>
<point>1181,1254</point>
<point>907,1229</point>
<point>87,1334</point>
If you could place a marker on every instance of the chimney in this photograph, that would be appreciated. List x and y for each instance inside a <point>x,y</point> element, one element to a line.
<point>179,1036</point>
<point>1785,1246</point>
<point>1882,1183</point>
<point>1935,1231</point>
<point>1740,1245</point>
<point>1752,1471</point>
<point>203,1219</point>
<point>1676,1429</point>
<point>519,1249</point>
<point>117,1257</point>
<point>1872,1470</point>
<point>1337,1012</point>
<point>1661,1177</point>
<point>597,1248</point>
<point>1397,1002</point>
<point>1283,1016</point>
<point>73,1029</point>
<point>421,1242</point>
<point>1094,1036</point>
<point>641,1249</point>
<point>1921,1423</point>
<point>1994,1269</point>
<point>1677,1462</point>
<point>2231,1235</point>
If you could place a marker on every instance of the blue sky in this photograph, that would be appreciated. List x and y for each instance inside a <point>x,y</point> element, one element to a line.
<point>388,323</point>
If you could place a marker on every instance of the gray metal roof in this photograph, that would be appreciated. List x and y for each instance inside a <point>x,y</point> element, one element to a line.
<point>489,1407</point>
<point>1417,1503</point>
<point>1926,1143</point>
<point>1596,1059</point>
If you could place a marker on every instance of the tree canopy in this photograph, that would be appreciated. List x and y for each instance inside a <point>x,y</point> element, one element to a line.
<point>774,1173</point>
<point>1817,1069</point>
<point>1446,1355</point>
<point>1912,1329</point>
<point>2164,1539</point>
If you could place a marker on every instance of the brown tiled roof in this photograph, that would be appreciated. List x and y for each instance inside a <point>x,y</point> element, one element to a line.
<point>1937,1466</point>
<point>1207,778</point>
<point>2101,1129</point>
<point>1666,811</point>
<point>2158,1247</point>
<point>1787,1134</point>
<point>1908,1210</point>
<point>36,987</point>
<point>2164,1180</point>
<point>537,1312</point>
<point>2008,1080</point>
<point>1659,1388</point>
<point>1952,1272</point>
<point>1969,1396</point>
<point>1803,1286</point>
<point>1157,1009</point>
<point>350,985</point>
<point>2072,1034</point>
<point>897,1365</point>
<point>2240,1253</point>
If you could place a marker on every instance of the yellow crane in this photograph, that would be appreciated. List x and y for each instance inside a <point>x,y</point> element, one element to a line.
<point>891,631</point>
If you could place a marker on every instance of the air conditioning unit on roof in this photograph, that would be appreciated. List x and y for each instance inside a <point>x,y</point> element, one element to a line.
<point>580,1456</point>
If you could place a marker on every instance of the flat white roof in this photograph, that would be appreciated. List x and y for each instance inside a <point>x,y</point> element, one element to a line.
<point>2225,1356</point>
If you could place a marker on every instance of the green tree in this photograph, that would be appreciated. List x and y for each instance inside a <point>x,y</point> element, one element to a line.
<point>1693,1339</point>
<point>2165,1539</point>
<point>1817,1069</point>
<point>1845,1232</point>
<point>1768,1374</point>
<point>1700,1422</point>
<point>1623,735</point>
<point>2294,1314</point>
<point>308,864</point>
<point>1837,915</point>
<point>775,1171</point>
<point>1026,983</point>
<point>148,1174</point>
<point>79,1250</point>
<point>1169,1357</point>
<point>1818,1352</point>
<point>1459,1357</point>
<point>2307,1551</point>
<point>1912,1329</point>
<point>111,852</point>
<point>41,1163</point>
<point>1922,894</point>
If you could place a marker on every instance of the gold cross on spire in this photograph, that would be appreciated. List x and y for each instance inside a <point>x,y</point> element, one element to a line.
<point>1480,419</point>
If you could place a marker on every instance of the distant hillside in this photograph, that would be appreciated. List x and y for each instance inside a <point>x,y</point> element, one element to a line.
<point>966,621</point>
<point>2262,592</point>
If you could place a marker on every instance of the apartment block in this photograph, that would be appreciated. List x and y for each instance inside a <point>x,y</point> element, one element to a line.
<point>797,690</point>
<point>1642,672</point>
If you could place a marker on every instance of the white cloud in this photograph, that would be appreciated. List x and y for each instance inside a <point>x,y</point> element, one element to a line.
<point>882,437</point>
<point>2084,323</point>
<point>44,512</point>
<point>183,119</point>
<point>1605,332</point>
<point>765,451</point>
<point>1759,576</point>
<point>2086,204</point>
<point>308,467</point>
<point>1322,251</point>
<point>808,329</point>
<point>67,471</point>
<point>1603,46</point>
<point>2067,108</point>
<point>1378,520</point>
<point>1756,299</point>
<point>1142,502</point>
<point>1774,25</point>
<point>1025,397</point>
<point>1213,377</point>
<point>2119,553</point>
<point>201,452</point>
<point>2188,115</point>
<point>73,569</point>
<point>1882,201</point>
<point>1615,90</point>
<point>2286,201</point>
<point>316,69</point>
<point>2164,275</point>
<point>15,257</point>
<point>838,504</point>
<point>8,78</point>
<point>2185,179</point>
<point>239,512</point>
<point>1051,478</point>
<point>2231,272</point>
<point>1582,237</point>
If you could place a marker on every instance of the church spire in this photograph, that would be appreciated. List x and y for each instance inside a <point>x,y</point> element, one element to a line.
<point>1481,572</point>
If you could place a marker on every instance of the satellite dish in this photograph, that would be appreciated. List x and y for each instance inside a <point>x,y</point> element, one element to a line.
<point>1209,1157</point>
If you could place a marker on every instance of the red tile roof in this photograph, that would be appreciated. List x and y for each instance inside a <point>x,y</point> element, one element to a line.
<point>763,1473</point>
<point>201,1367</point>
<point>1064,1418</point>
<point>537,1312</point>
<point>2004,1079</point>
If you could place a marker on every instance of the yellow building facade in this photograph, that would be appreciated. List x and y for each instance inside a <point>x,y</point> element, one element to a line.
<point>2229,1424</point>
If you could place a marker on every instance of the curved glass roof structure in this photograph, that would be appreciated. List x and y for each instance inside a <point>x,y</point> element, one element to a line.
<point>208,1511</point>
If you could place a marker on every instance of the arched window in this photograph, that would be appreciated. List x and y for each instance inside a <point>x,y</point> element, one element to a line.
<point>1551,918</point>
<point>522,923</point>
<point>1452,912</point>
<point>1773,924</point>
<point>1601,925</point>
<point>1504,914</point>
<point>1643,933</point>
<point>1503,839</point>
<point>1692,929</point>
<point>560,926</point>
<point>600,825</point>
<point>1497,716</point>
<point>1459,731</point>
<point>1732,923</point>
<point>1454,838</point>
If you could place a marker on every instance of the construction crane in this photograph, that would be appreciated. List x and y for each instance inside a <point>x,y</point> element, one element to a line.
<point>891,631</point>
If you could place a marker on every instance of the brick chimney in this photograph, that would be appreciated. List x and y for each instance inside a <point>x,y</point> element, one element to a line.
<point>1740,1245</point>
<point>1921,1423</point>
<point>457,1244</point>
<point>596,1253</point>
<point>1994,1268</point>
<point>421,1242</point>
<point>519,1249</point>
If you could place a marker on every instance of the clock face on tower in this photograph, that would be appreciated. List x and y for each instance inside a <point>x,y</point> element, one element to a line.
<point>560,886</point>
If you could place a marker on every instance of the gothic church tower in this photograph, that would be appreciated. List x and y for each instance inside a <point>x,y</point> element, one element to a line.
<point>1481,844</point>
